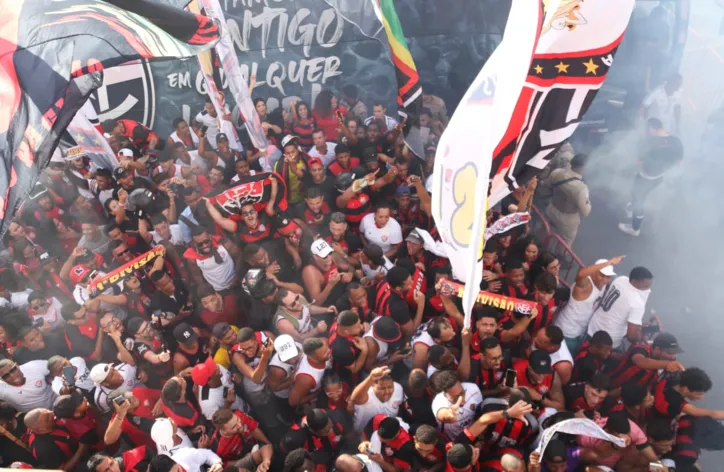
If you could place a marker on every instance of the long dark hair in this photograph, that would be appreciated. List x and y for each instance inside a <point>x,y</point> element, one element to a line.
<point>323,103</point>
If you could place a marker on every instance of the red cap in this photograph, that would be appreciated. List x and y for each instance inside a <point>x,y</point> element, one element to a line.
<point>78,272</point>
<point>201,373</point>
<point>315,160</point>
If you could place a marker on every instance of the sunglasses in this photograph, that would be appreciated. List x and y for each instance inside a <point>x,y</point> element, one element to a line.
<point>204,242</point>
<point>125,251</point>
<point>248,213</point>
<point>7,374</point>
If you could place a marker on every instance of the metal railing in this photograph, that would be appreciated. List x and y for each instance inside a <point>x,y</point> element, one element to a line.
<point>553,243</point>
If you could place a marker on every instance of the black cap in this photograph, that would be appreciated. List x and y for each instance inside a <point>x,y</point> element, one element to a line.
<point>555,451</point>
<point>220,330</point>
<point>185,334</point>
<point>134,324</point>
<point>341,147</point>
<point>65,405</point>
<point>119,172</point>
<point>667,343</point>
<point>386,330</point>
<point>221,137</point>
<point>540,362</point>
<point>369,154</point>
<point>317,419</point>
<point>375,254</point>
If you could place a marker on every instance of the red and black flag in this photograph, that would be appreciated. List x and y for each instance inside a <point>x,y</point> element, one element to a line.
<point>52,54</point>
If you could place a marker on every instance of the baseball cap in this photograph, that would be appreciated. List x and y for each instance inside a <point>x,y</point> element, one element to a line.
<point>369,154</point>
<point>540,362</point>
<point>414,237</point>
<point>184,334</point>
<point>402,190</point>
<point>125,152</point>
<point>340,148</point>
<point>315,160</point>
<point>220,330</point>
<point>78,272</point>
<point>285,346</point>
<point>221,137</point>
<point>321,248</point>
<point>162,435</point>
<point>288,139</point>
<point>374,253</point>
<point>119,172</point>
<point>608,270</point>
<point>386,330</point>
<point>201,373</point>
<point>99,373</point>
<point>667,342</point>
<point>555,451</point>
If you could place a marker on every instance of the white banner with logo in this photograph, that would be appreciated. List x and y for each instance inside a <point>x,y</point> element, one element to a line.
<point>578,427</point>
<point>465,152</point>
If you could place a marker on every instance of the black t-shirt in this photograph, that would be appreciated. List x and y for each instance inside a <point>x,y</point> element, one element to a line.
<point>163,302</point>
<point>53,449</point>
<point>660,154</point>
<point>137,183</point>
<point>23,354</point>
<point>399,309</point>
<point>327,187</point>
<point>261,315</point>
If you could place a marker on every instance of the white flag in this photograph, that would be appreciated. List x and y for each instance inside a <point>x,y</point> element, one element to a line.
<point>465,152</point>
<point>578,427</point>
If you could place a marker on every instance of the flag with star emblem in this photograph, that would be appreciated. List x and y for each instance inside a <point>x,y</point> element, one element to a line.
<point>576,49</point>
<point>409,90</point>
<point>53,54</point>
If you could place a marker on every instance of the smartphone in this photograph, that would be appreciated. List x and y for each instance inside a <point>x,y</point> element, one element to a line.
<point>510,375</point>
<point>119,400</point>
<point>339,114</point>
<point>656,466</point>
<point>69,375</point>
<point>204,129</point>
<point>405,351</point>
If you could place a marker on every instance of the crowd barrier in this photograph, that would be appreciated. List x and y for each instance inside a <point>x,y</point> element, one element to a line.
<point>553,243</point>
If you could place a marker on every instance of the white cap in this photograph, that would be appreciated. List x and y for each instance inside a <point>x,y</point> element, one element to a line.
<point>99,373</point>
<point>608,270</point>
<point>321,248</point>
<point>162,435</point>
<point>287,139</point>
<point>285,346</point>
<point>125,152</point>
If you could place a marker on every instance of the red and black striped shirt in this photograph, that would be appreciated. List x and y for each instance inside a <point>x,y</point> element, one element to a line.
<point>399,452</point>
<point>628,372</point>
<point>234,448</point>
<point>585,364</point>
<point>485,379</point>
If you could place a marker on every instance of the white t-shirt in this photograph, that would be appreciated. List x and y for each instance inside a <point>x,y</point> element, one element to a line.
<point>364,413</point>
<point>466,413</point>
<point>218,275</point>
<point>192,459</point>
<point>236,178</point>
<point>17,299</point>
<point>385,237</point>
<point>34,393</point>
<point>177,237</point>
<point>289,369</point>
<point>212,124</point>
<point>573,318</point>
<point>52,314</point>
<point>561,355</point>
<point>128,372</point>
<point>372,273</point>
<point>326,158</point>
<point>618,306</point>
<point>213,399</point>
<point>662,105</point>
<point>82,377</point>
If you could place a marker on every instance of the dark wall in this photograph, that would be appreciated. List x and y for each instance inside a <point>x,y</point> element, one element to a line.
<point>298,47</point>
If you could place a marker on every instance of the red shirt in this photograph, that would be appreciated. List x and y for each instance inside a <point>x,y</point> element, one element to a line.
<point>233,448</point>
<point>329,123</point>
<point>521,367</point>
<point>229,313</point>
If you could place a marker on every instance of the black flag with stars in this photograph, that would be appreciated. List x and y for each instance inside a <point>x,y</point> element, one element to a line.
<point>574,53</point>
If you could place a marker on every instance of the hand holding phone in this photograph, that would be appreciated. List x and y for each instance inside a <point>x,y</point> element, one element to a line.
<point>69,376</point>
<point>510,375</point>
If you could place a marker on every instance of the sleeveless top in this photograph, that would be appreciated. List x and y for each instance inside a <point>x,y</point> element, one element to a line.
<point>573,318</point>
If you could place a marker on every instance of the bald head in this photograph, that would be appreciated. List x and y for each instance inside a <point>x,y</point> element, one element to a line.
<point>40,420</point>
<point>348,463</point>
<point>511,463</point>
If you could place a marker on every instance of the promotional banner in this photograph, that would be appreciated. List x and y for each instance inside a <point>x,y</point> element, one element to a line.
<point>119,274</point>
<point>52,54</point>
<point>503,302</point>
<point>409,90</point>
<point>465,152</point>
<point>506,223</point>
<point>576,49</point>
<point>577,427</point>
<point>88,142</point>
<point>229,64</point>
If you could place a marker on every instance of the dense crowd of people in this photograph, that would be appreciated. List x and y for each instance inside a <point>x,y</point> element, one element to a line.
<point>286,310</point>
